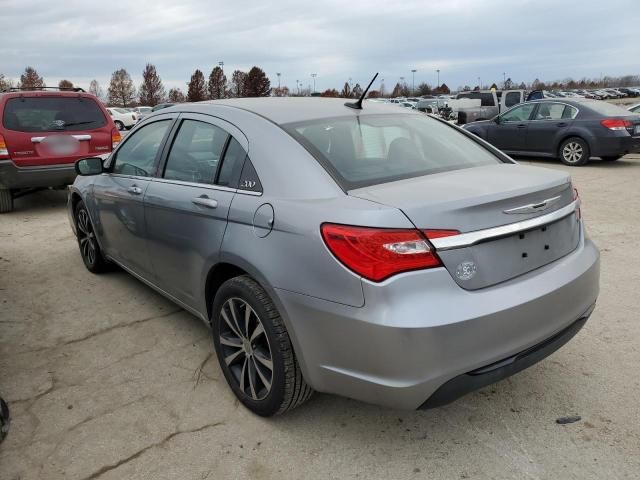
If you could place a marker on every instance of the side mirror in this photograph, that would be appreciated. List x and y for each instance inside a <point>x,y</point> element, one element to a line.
<point>89,166</point>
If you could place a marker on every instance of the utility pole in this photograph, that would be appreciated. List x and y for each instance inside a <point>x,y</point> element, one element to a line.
<point>413,81</point>
<point>314,75</point>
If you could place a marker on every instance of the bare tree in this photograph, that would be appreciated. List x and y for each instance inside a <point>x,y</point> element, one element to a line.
<point>5,82</point>
<point>95,88</point>
<point>237,86</point>
<point>257,84</point>
<point>216,87</point>
<point>31,80</point>
<point>197,90</point>
<point>346,90</point>
<point>66,84</point>
<point>121,91</point>
<point>357,91</point>
<point>424,89</point>
<point>176,96</point>
<point>281,91</point>
<point>330,92</point>
<point>151,90</point>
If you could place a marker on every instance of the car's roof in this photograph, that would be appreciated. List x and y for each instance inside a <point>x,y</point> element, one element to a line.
<point>283,110</point>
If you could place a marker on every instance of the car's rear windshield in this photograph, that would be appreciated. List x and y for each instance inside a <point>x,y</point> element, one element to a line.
<point>51,114</point>
<point>606,108</point>
<point>366,150</point>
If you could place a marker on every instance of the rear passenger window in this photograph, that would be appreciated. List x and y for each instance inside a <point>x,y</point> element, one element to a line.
<point>196,152</point>
<point>232,165</point>
<point>550,111</point>
<point>570,112</point>
<point>249,178</point>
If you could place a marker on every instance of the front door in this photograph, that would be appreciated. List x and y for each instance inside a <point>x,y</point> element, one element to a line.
<point>119,196</point>
<point>186,207</point>
<point>510,134</point>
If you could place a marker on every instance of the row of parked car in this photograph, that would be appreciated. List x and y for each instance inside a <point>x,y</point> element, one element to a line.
<point>595,94</point>
<point>126,118</point>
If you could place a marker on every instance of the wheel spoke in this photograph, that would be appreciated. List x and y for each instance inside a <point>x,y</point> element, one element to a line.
<point>263,379</point>
<point>264,361</point>
<point>247,317</point>
<point>242,375</point>
<point>259,330</point>
<point>252,379</point>
<point>233,343</point>
<point>232,307</point>
<point>230,323</point>
<point>231,358</point>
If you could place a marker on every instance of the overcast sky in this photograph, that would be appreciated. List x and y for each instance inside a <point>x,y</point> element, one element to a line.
<point>337,39</point>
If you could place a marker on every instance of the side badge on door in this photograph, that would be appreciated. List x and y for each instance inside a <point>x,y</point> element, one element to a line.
<point>466,270</point>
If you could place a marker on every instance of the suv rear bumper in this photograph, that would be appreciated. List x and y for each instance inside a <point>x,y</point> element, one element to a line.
<point>14,177</point>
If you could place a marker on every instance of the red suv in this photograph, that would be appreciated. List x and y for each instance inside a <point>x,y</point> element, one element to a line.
<point>42,134</point>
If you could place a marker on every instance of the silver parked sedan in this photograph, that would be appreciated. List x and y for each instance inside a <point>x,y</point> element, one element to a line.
<point>380,254</point>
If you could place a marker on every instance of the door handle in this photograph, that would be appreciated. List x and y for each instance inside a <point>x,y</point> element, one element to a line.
<point>134,189</point>
<point>522,125</point>
<point>205,201</point>
<point>561,124</point>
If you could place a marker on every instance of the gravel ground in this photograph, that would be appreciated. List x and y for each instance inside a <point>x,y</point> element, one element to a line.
<point>107,379</point>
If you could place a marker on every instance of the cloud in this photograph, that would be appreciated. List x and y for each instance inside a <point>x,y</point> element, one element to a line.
<point>465,39</point>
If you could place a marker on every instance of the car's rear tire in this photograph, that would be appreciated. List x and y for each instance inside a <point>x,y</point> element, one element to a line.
<point>4,420</point>
<point>254,349</point>
<point>574,152</point>
<point>87,241</point>
<point>611,159</point>
<point>6,200</point>
<point>119,125</point>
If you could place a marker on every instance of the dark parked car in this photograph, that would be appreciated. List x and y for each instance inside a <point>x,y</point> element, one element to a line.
<point>161,106</point>
<point>572,130</point>
<point>43,133</point>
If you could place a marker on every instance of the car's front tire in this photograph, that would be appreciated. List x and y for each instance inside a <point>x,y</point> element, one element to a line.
<point>254,349</point>
<point>87,241</point>
<point>6,200</point>
<point>574,152</point>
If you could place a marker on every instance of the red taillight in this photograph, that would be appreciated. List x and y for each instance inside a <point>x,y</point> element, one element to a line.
<point>615,123</point>
<point>4,151</point>
<point>115,138</point>
<point>378,253</point>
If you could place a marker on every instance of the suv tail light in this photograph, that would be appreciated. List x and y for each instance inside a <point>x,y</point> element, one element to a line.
<point>4,151</point>
<point>115,138</point>
<point>379,253</point>
<point>615,123</point>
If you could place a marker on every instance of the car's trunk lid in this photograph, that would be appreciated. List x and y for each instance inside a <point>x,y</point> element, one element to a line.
<point>480,198</point>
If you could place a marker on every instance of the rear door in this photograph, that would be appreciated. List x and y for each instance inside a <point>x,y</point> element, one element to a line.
<point>510,133</point>
<point>187,205</point>
<point>119,195</point>
<point>549,124</point>
<point>45,130</point>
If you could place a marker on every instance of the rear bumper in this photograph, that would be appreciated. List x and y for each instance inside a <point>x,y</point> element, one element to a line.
<point>14,177</point>
<point>420,330</point>
<point>615,146</point>
<point>481,377</point>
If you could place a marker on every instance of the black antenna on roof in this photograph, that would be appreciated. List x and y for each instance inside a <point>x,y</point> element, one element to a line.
<point>358,105</point>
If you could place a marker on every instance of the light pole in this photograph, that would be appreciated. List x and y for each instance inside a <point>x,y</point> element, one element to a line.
<point>314,75</point>
<point>504,80</point>
<point>298,86</point>
<point>278,74</point>
<point>413,81</point>
<point>221,64</point>
<point>479,84</point>
<point>438,85</point>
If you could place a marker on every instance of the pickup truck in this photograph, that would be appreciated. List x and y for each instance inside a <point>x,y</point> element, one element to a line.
<point>492,103</point>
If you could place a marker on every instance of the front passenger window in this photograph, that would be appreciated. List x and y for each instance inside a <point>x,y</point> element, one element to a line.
<point>137,154</point>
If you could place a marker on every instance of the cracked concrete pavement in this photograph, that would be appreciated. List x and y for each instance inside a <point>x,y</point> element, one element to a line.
<point>107,379</point>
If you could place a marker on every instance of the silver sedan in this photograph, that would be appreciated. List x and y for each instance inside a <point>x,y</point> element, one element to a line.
<point>375,253</point>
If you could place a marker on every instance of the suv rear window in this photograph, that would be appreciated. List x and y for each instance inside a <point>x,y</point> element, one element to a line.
<point>369,149</point>
<point>52,114</point>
